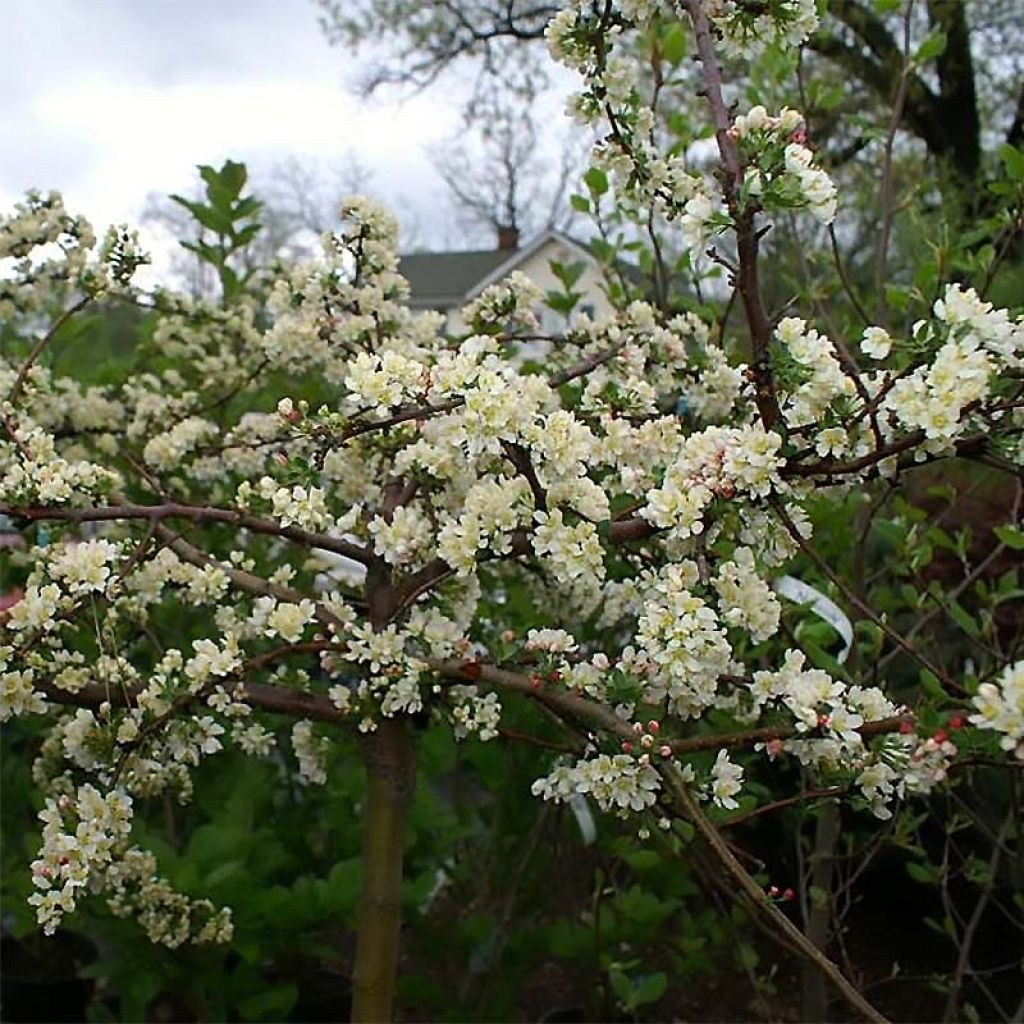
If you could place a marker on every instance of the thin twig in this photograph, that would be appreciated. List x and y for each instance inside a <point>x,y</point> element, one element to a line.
<point>691,810</point>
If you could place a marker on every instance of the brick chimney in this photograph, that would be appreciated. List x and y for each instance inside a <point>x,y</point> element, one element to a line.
<point>508,238</point>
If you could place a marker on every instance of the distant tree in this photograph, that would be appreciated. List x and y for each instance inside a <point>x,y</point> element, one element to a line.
<point>505,174</point>
<point>961,95</point>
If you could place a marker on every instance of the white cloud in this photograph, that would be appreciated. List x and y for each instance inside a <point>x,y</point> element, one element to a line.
<point>124,99</point>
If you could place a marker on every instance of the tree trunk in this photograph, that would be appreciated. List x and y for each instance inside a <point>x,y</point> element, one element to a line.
<point>390,775</point>
<point>817,928</point>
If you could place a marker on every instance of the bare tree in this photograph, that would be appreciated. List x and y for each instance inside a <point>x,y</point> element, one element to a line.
<point>962,101</point>
<point>505,174</point>
<point>425,37</point>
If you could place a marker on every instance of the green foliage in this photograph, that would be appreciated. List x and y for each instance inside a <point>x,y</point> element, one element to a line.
<point>230,216</point>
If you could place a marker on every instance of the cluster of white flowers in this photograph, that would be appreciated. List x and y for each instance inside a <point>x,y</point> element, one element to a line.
<point>682,650</point>
<point>311,752</point>
<point>169,918</point>
<point>283,619</point>
<point>815,187</point>
<point>618,783</point>
<point>32,472</point>
<point>747,29</point>
<point>84,567</point>
<point>37,227</point>
<point>70,859</point>
<point>551,641</point>
<point>166,451</point>
<point>783,171</point>
<point>928,764</point>
<point>825,381</point>
<point>745,598</point>
<point>1000,706</point>
<point>726,781</point>
<point>818,701</point>
<point>572,552</point>
<point>492,510</point>
<point>17,694</point>
<point>305,507</point>
<point>199,585</point>
<point>474,713</point>
<point>976,341</point>
<point>211,659</point>
<point>383,382</point>
<point>718,462</point>
<point>702,212</point>
<point>507,306</point>
<point>400,538</point>
<point>964,312</point>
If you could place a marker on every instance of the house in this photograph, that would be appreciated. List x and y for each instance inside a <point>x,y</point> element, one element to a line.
<point>446,281</point>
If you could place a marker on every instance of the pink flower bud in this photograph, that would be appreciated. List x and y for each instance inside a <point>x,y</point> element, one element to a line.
<point>665,750</point>
<point>653,726</point>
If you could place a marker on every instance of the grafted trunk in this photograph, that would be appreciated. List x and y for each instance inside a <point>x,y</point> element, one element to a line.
<point>819,914</point>
<point>390,776</point>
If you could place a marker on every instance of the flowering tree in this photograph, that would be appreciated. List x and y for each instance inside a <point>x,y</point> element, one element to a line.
<point>308,504</point>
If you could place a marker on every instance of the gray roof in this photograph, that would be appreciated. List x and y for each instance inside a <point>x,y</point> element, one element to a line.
<point>446,278</point>
<point>441,280</point>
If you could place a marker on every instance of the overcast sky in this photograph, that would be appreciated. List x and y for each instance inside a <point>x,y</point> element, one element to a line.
<point>110,100</point>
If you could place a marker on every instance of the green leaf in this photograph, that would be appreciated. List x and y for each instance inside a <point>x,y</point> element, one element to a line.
<point>934,46</point>
<point>649,989</point>
<point>247,207</point>
<point>673,45</point>
<point>580,203</point>
<point>1013,161</point>
<point>247,234</point>
<point>229,282</point>
<point>221,197</point>
<point>562,303</point>
<point>571,274</point>
<point>747,956</point>
<point>234,175</point>
<point>1011,536</point>
<point>926,875</point>
<point>207,253</point>
<point>931,685</point>
<point>596,180</point>
<point>207,216</point>
<point>643,860</point>
<point>270,1004</point>
<point>621,986</point>
<point>960,616</point>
